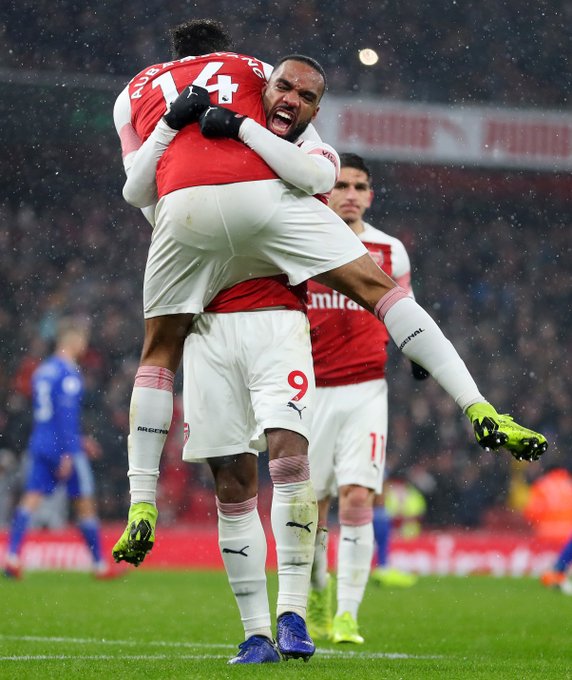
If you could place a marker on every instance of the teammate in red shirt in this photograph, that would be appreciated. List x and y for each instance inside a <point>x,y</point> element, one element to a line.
<point>349,434</point>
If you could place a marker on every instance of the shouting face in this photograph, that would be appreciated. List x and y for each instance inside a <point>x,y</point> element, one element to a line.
<point>291,98</point>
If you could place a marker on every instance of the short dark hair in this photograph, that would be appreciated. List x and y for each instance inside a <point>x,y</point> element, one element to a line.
<point>199,36</point>
<point>305,60</point>
<point>352,160</point>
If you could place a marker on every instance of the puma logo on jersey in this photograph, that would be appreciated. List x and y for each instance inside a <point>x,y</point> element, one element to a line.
<point>291,404</point>
<point>236,552</point>
<point>300,526</point>
<point>351,540</point>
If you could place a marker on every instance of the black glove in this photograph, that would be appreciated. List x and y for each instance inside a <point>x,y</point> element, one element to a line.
<point>219,122</point>
<point>418,372</point>
<point>187,107</point>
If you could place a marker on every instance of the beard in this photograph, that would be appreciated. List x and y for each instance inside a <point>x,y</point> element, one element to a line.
<point>296,131</point>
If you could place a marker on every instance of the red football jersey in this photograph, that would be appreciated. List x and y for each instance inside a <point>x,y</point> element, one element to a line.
<point>234,81</point>
<point>271,291</point>
<point>348,343</point>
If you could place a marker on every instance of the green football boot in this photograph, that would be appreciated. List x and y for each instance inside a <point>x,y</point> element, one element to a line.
<point>139,535</point>
<point>494,431</point>
<point>345,629</point>
<point>393,578</point>
<point>320,612</point>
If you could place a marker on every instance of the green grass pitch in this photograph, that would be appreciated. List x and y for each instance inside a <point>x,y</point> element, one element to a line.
<point>161,625</point>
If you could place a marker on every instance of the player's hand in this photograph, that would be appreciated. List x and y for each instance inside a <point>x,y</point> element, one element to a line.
<point>219,122</point>
<point>65,468</point>
<point>91,447</point>
<point>138,537</point>
<point>418,372</point>
<point>187,107</point>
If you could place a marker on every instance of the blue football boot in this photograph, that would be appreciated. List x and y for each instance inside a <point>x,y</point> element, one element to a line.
<point>256,649</point>
<point>292,637</point>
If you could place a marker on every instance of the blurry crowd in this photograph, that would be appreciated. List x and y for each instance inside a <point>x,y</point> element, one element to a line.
<point>490,251</point>
<point>508,52</point>
<point>492,269</point>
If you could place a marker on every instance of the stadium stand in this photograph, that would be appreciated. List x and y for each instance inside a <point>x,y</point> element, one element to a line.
<point>490,249</point>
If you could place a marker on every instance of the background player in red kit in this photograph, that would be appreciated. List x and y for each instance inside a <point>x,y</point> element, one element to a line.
<point>210,236</point>
<point>349,433</point>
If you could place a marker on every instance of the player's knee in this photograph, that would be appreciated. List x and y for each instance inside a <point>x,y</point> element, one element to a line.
<point>235,493</point>
<point>356,505</point>
<point>31,501</point>
<point>235,477</point>
<point>235,488</point>
<point>353,496</point>
<point>286,443</point>
<point>84,507</point>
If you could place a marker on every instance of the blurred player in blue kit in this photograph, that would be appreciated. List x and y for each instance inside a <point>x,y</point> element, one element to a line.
<point>57,448</point>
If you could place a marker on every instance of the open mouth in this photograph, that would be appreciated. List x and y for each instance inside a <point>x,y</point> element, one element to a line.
<point>281,121</point>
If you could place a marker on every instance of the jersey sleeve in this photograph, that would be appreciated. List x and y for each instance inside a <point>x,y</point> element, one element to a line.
<point>139,160</point>
<point>402,267</point>
<point>311,167</point>
<point>130,141</point>
<point>267,70</point>
<point>140,188</point>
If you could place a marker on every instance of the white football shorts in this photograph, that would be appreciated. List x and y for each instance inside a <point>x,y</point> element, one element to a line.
<point>208,238</point>
<point>349,436</point>
<point>243,373</point>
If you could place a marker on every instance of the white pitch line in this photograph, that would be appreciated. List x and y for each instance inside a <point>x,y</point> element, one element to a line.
<point>335,653</point>
<point>162,657</point>
<point>110,657</point>
<point>103,641</point>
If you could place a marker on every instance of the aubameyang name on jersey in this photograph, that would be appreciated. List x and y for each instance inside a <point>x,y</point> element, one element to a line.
<point>333,300</point>
<point>150,73</point>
